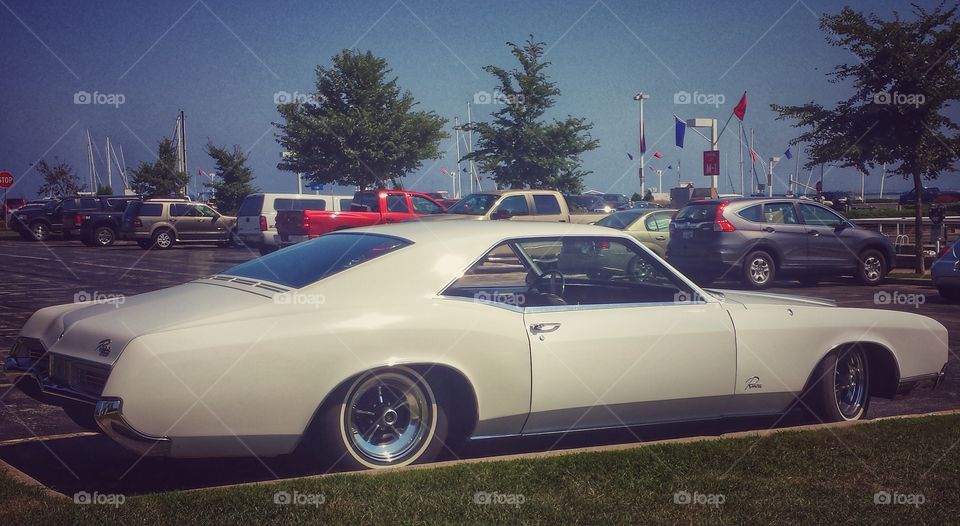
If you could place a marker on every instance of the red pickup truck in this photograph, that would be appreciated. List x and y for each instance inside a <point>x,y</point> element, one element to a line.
<point>369,207</point>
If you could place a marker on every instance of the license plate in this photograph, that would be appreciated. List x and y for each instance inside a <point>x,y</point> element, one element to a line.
<point>687,234</point>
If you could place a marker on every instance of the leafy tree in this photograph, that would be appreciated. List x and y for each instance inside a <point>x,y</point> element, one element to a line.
<point>104,189</point>
<point>235,177</point>
<point>636,198</point>
<point>648,196</point>
<point>907,72</point>
<point>518,148</point>
<point>160,178</point>
<point>58,180</point>
<point>359,128</point>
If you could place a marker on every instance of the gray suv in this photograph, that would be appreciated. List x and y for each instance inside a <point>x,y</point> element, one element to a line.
<point>758,240</point>
<point>159,223</point>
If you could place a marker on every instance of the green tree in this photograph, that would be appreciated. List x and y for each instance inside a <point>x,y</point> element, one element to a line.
<point>58,180</point>
<point>905,74</point>
<point>648,196</point>
<point>518,147</point>
<point>104,189</point>
<point>636,198</point>
<point>359,128</point>
<point>235,177</point>
<point>160,178</point>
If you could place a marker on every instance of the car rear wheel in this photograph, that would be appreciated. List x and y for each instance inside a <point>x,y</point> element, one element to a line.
<point>385,418</point>
<point>163,239</point>
<point>872,267</point>
<point>842,391</point>
<point>104,236</point>
<point>758,270</point>
<point>40,231</point>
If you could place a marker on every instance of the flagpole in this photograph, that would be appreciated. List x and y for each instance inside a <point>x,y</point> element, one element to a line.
<point>753,157</point>
<point>883,175</point>
<point>796,170</point>
<point>740,148</point>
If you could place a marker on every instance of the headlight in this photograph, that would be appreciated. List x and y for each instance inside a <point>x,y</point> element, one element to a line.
<point>19,349</point>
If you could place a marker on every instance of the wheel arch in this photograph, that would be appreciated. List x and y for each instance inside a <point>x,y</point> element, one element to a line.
<point>883,368</point>
<point>883,249</point>
<point>767,247</point>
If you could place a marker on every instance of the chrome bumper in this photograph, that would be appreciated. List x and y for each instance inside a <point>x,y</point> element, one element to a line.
<point>924,382</point>
<point>19,368</point>
<point>109,416</point>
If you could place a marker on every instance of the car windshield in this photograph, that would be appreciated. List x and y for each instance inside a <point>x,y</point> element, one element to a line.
<point>305,263</point>
<point>698,213</point>
<point>619,220</point>
<point>474,205</point>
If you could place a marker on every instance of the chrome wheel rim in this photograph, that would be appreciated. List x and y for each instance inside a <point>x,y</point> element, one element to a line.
<point>850,384</point>
<point>105,236</point>
<point>40,231</point>
<point>872,268</point>
<point>387,418</point>
<point>164,240</point>
<point>759,270</point>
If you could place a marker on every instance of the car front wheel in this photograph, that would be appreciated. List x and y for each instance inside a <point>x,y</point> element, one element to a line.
<point>40,231</point>
<point>842,390</point>
<point>758,270</point>
<point>872,267</point>
<point>386,418</point>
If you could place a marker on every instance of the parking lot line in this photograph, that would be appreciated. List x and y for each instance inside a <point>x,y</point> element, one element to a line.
<point>99,265</point>
<point>16,441</point>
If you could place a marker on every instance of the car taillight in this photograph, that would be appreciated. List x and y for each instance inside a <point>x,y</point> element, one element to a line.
<point>720,224</point>
<point>263,223</point>
<point>137,222</point>
<point>77,220</point>
<point>306,224</point>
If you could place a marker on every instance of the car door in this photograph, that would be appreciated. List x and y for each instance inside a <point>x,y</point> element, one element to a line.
<point>657,226</point>
<point>424,206</point>
<point>783,230</point>
<point>831,242</point>
<point>514,207</point>
<point>547,208</point>
<point>397,209</point>
<point>212,224</point>
<point>184,219</point>
<point>628,342</point>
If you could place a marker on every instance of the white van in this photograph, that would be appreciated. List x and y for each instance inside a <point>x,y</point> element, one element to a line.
<point>257,218</point>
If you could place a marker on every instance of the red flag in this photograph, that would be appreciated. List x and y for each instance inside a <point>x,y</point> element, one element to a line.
<point>199,171</point>
<point>741,108</point>
<point>753,155</point>
<point>658,155</point>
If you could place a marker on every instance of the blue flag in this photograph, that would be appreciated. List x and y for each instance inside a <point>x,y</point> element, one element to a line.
<point>681,130</point>
<point>788,154</point>
<point>629,156</point>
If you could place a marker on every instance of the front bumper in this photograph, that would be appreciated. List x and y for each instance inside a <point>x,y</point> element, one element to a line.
<point>108,414</point>
<point>921,383</point>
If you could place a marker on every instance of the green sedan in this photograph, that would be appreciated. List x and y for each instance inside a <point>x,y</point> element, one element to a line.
<point>650,226</point>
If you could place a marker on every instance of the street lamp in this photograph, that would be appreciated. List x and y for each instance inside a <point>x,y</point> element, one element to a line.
<point>773,161</point>
<point>290,155</point>
<point>640,97</point>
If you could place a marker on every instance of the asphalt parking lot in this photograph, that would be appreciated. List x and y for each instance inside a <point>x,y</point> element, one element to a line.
<point>38,275</point>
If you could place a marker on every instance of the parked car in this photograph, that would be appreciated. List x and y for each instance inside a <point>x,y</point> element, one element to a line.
<point>586,204</point>
<point>757,240</point>
<point>645,205</point>
<point>650,227</point>
<point>947,197</point>
<point>257,218</point>
<point>837,200</point>
<point>946,273</point>
<point>102,215</point>
<point>11,204</point>
<point>517,205</point>
<point>161,223</point>
<point>369,207</point>
<point>38,223</point>
<point>354,346</point>
<point>617,202</point>
<point>927,195</point>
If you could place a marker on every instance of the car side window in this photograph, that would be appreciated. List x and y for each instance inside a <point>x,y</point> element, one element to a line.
<point>88,203</point>
<point>516,205</point>
<point>345,204</point>
<point>651,223</point>
<point>397,203</point>
<point>180,210</point>
<point>752,213</point>
<point>817,216</point>
<point>423,205</point>
<point>663,221</point>
<point>780,214</point>
<point>205,211</point>
<point>546,204</point>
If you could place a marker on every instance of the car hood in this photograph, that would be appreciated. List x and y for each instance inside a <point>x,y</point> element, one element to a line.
<point>748,299</point>
<point>82,330</point>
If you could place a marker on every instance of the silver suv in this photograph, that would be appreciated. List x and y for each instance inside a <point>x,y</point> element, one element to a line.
<point>159,223</point>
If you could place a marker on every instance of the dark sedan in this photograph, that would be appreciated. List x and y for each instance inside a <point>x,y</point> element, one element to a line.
<point>757,240</point>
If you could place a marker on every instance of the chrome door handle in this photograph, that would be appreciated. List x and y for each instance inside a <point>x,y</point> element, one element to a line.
<point>768,229</point>
<point>813,233</point>
<point>540,328</point>
<point>660,238</point>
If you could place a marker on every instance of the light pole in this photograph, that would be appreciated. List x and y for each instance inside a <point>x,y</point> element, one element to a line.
<point>290,155</point>
<point>640,97</point>
<point>773,161</point>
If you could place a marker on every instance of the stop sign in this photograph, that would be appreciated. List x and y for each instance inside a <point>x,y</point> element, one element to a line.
<point>6,179</point>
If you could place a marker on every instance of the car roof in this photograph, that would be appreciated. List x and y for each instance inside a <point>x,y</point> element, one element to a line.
<point>475,236</point>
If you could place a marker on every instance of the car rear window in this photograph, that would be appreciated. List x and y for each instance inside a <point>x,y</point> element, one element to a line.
<point>299,204</point>
<point>619,220</point>
<point>700,213</point>
<point>305,263</point>
<point>252,204</point>
<point>139,208</point>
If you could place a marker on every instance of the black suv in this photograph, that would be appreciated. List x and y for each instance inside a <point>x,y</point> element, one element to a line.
<point>60,216</point>
<point>760,239</point>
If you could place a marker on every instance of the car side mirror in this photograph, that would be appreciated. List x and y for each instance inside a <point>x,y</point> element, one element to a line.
<point>501,214</point>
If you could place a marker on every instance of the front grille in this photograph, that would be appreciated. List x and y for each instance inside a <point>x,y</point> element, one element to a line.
<point>32,349</point>
<point>81,376</point>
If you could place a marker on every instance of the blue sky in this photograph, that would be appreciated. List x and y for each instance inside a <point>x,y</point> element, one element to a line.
<point>223,61</point>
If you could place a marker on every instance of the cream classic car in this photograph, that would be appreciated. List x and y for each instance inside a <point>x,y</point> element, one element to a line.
<point>381,345</point>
